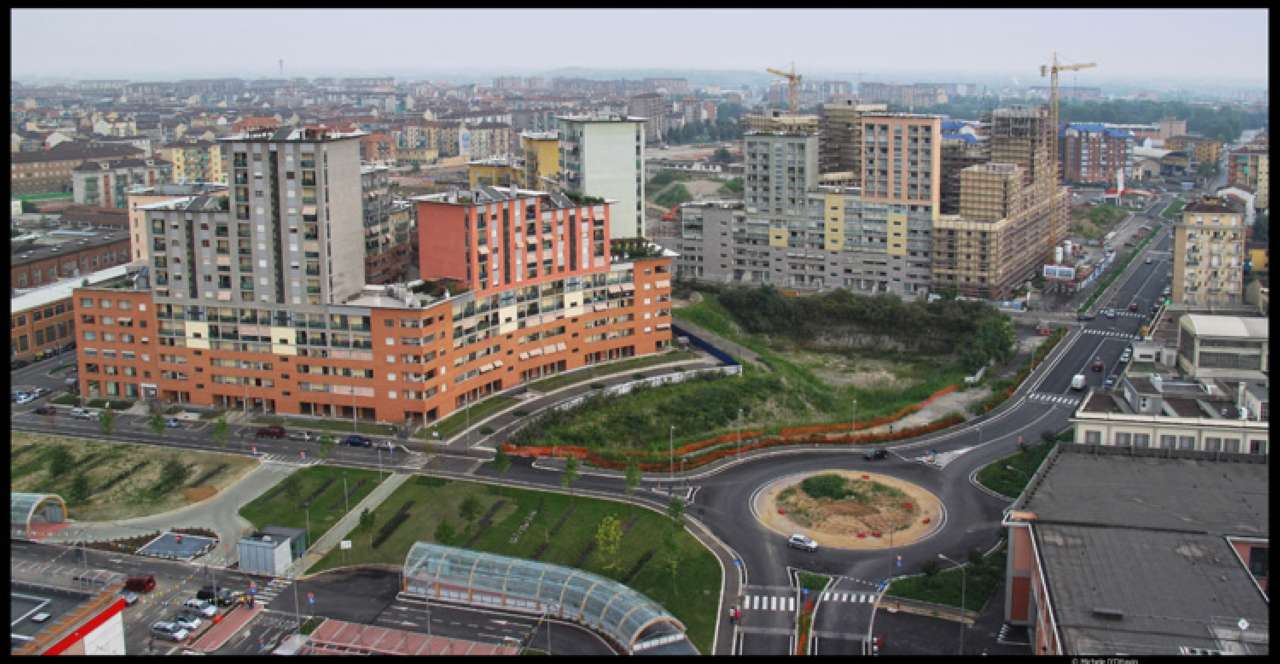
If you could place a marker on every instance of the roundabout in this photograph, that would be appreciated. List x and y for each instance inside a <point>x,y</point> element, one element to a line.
<point>849,509</point>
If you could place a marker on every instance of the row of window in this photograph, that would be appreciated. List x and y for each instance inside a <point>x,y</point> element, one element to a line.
<point>1178,442</point>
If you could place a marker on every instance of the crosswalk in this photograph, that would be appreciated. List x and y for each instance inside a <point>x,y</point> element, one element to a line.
<point>1111,333</point>
<point>769,603</point>
<point>288,460</point>
<point>269,592</point>
<point>856,598</point>
<point>1060,399</point>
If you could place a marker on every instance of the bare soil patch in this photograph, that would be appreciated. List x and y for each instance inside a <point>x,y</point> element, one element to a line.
<point>877,504</point>
<point>841,370</point>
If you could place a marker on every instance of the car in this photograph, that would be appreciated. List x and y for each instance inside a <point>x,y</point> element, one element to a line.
<point>170,631</point>
<point>273,431</point>
<point>356,440</point>
<point>1124,357</point>
<point>142,583</point>
<point>45,410</point>
<point>82,413</point>
<point>188,621</point>
<point>25,398</point>
<point>219,596</point>
<point>798,541</point>
<point>1149,260</point>
<point>1110,381</point>
<point>39,392</point>
<point>1097,364</point>
<point>173,423</point>
<point>130,598</point>
<point>204,608</point>
<point>1109,313</point>
<point>874,455</point>
<point>304,436</point>
<point>1085,316</point>
<point>1133,306</point>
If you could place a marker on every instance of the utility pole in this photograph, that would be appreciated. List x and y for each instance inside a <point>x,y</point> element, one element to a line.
<point>671,455</point>
<point>962,584</point>
<point>853,424</point>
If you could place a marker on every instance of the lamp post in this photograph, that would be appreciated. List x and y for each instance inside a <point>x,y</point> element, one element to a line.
<point>962,584</point>
<point>739,452</point>
<point>853,424</point>
<point>671,455</point>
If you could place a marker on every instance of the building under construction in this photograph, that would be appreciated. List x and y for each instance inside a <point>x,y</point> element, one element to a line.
<point>1022,136</point>
<point>959,151</point>
<point>840,131</point>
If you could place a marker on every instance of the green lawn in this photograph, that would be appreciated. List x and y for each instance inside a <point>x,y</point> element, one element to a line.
<point>1174,209</point>
<point>338,426</point>
<point>813,582</point>
<point>278,507</point>
<point>692,597</point>
<point>581,376</point>
<point>66,399</point>
<point>451,425</point>
<point>998,477</point>
<point>944,587</point>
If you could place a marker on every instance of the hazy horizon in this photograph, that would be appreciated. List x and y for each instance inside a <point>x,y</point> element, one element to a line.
<point>1154,47</point>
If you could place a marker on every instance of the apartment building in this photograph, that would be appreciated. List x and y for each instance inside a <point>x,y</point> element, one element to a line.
<point>1203,150</point>
<point>541,159</point>
<point>1208,254</point>
<point>379,148</point>
<point>1169,127</point>
<point>959,151</point>
<point>486,140</point>
<point>1215,347</point>
<point>106,183</point>
<point>495,172</point>
<point>291,328</point>
<point>50,170</point>
<point>195,161</point>
<point>1092,153</point>
<point>35,265</point>
<point>1021,135</point>
<point>1249,169</point>
<point>140,197</point>
<point>42,320</point>
<point>603,156</point>
<point>840,137</point>
<point>389,233</point>
<point>654,108</point>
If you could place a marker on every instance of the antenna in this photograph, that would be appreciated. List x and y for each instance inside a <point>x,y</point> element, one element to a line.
<point>281,67</point>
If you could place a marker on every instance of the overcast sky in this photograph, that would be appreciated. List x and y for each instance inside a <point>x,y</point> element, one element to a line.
<point>167,44</point>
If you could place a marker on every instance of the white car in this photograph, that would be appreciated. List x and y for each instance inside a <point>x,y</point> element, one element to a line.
<point>188,621</point>
<point>82,413</point>
<point>25,398</point>
<point>798,541</point>
<point>170,631</point>
<point>202,607</point>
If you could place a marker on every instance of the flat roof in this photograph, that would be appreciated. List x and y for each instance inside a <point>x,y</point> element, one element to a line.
<point>1226,326</point>
<point>33,253</point>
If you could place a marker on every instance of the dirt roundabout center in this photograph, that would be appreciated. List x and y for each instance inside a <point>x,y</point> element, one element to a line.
<point>847,509</point>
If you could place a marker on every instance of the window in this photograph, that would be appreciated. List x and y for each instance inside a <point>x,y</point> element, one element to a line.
<point>1212,444</point>
<point>1123,439</point>
<point>1168,442</point>
<point>1259,561</point>
<point>1142,440</point>
<point>1093,437</point>
<point>1186,442</point>
<point>1233,445</point>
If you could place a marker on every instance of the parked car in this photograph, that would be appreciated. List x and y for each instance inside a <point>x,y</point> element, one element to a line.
<point>875,455</point>
<point>173,423</point>
<point>25,398</point>
<point>356,440</point>
<point>1148,261</point>
<point>274,431</point>
<point>219,596</point>
<point>39,392</point>
<point>188,621</point>
<point>1085,316</point>
<point>143,583</point>
<point>169,631</point>
<point>45,410</point>
<point>1124,357</point>
<point>82,413</point>
<point>304,436</point>
<point>1109,313</point>
<point>204,608</point>
<point>1110,382</point>
<point>130,598</point>
<point>798,541</point>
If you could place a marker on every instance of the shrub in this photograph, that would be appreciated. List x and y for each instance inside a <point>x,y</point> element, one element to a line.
<point>122,475</point>
<point>519,412</point>
<point>445,533</point>
<point>930,568</point>
<point>597,386</point>
<point>209,474</point>
<point>486,430</point>
<point>390,526</point>
<point>59,461</point>
<point>825,486</point>
<point>174,474</point>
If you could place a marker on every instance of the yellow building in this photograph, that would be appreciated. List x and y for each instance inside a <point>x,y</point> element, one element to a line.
<point>1204,150</point>
<point>541,159</point>
<point>1208,254</point>
<point>493,173</point>
<point>195,161</point>
<point>1258,256</point>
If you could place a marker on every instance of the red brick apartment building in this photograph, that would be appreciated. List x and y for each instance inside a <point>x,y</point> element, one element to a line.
<point>31,266</point>
<point>519,285</point>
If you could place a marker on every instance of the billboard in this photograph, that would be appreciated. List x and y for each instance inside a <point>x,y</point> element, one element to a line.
<point>1060,272</point>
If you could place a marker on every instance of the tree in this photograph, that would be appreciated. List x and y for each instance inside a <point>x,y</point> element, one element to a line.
<point>501,461</point>
<point>633,476</point>
<point>675,511</point>
<point>366,524</point>
<point>79,491</point>
<point>107,420</point>
<point>609,540</point>
<point>156,424</point>
<point>445,533</point>
<point>721,156</point>
<point>671,557</point>
<point>469,509</point>
<point>570,474</point>
<point>59,462</point>
<point>220,430</point>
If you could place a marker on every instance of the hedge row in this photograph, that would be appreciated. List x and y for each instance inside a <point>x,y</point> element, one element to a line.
<point>391,525</point>
<point>122,475</point>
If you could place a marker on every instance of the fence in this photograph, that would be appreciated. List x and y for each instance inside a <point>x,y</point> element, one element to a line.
<point>703,344</point>
<point>665,379</point>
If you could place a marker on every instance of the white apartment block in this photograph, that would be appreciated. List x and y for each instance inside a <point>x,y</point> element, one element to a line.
<point>603,156</point>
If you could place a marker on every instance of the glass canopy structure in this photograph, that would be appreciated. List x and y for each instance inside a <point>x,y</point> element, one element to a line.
<point>628,618</point>
<point>24,508</point>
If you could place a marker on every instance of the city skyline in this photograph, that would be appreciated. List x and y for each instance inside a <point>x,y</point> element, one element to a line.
<point>1184,44</point>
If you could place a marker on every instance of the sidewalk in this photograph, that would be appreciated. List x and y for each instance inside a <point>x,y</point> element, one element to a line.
<point>345,525</point>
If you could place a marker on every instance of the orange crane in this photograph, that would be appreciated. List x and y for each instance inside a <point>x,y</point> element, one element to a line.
<point>793,85</point>
<point>1051,70</point>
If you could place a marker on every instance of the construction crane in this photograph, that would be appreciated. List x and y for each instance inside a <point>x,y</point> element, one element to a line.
<point>793,86</point>
<point>1051,70</point>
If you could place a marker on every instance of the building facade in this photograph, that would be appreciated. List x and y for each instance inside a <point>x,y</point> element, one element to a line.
<point>959,151</point>
<point>654,108</point>
<point>1208,254</point>
<point>603,156</point>
<point>840,137</point>
<point>50,170</point>
<point>1248,168</point>
<point>389,233</point>
<point>32,266</point>
<point>140,197</point>
<point>541,159</point>
<point>195,161</point>
<point>106,183</point>
<point>1093,153</point>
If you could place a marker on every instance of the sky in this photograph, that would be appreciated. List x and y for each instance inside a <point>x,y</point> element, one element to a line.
<point>1128,45</point>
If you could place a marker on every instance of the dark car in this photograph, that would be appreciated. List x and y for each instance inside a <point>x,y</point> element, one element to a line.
<point>219,596</point>
<point>1085,316</point>
<point>356,440</point>
<point>874,455</point>
<point>1097,364</point>
<point>271,432</point>
<point>45,410</point>
<point>1133,306</point>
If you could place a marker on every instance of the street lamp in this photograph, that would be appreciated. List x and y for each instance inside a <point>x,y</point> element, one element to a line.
<point>853,424</point>
<point>739,452</point>
<point>671,455</point>
<point>962,583</point>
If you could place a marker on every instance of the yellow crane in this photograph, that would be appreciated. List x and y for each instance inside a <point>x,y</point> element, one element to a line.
<point>1051,70</point>
<point>793,85</point>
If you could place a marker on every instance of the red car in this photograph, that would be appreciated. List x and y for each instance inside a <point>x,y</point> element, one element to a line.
<point>1133,306</point>
<point>1097,365</point>
<point>271,432</point>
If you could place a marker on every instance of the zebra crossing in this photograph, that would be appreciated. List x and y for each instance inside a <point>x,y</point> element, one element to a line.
<point>1112,333</point>
<point>288,460</point>
<point>855,598</point>
<point>1059,399</point>
<point>273,588</point>
<point>769,603</point>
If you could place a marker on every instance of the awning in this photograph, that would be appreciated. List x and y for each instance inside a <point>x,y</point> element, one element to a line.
<point>663,326</point>
<point>549,349</point>
<point>535,352</point>
<point>662,284</point>
<point>486,368</point>
<point>628,287</point>
<point>497,363</point>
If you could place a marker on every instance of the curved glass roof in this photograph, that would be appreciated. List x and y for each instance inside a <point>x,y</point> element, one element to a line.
<point>23,505</point>
<point>590,599</point>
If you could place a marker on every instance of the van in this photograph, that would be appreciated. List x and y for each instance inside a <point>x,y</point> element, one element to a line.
<point>140,584</point>
<point>1077,382</point>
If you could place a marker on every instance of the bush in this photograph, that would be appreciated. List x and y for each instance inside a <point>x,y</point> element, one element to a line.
<point>930,568</point>
<point>390,526</point>
<point>825,486</point>
<point>519,412</point>
<point>122,475</point>
<point>597,386</point>
<point>59,461</point>
<point>486,430</point>
<point>209,474</point>
<point>174,474</point>
<point>428,481</point>
<point>445,533</point>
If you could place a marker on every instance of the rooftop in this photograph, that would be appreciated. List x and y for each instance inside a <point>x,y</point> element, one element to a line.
<point>178,189</point>
<point>61,290</point>
<point>23,255</point>
<point>291,134</point>
<point>192,204</point>
<point>109,164</point>
<point>1226,326</point>
<point>67,610</point>
<point>485,194</point>
<point>73,151</point>
<point>1210,205</point>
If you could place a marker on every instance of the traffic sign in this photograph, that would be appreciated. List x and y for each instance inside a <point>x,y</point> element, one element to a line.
<point>311,598</point>
<point>1243,624</point>
<point>899,561</point>
<point>737,561</point>
<point>804,591</point>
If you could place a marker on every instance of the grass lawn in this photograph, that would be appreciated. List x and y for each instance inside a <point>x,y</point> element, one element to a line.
<point>66,399</point>
<point>692,596</point>
<point>451,425</point>
<point>337,426</point>
<point>279,507</point>
<point>944,587</point>
<point>997,477</point>
<point>1174,209</point>
<point>596,371</point>
<point>813,582</point>
<point>124,480</point>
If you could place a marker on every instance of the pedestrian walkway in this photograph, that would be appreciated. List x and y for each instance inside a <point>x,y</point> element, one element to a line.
<point>289,460</point>
<point>769,603</point>
<point>1059,399</point>
<point>1111,333</point>
<point>346,524</point>
<point>269,592</point>
<point>856,598</point>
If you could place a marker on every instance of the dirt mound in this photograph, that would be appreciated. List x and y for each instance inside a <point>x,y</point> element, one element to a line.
<point>196,494</point>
